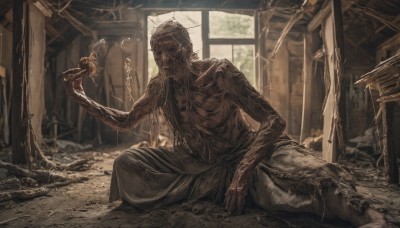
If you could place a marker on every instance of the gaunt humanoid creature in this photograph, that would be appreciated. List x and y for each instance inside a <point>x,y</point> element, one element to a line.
<point>216,154</point>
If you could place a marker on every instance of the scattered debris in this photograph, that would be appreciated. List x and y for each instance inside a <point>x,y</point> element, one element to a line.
<point>23,194</point>
<point>12,219</point>
<point>69,146</point>
<point>314,143</point>
<point>363,147</point>
<point>366,142</point>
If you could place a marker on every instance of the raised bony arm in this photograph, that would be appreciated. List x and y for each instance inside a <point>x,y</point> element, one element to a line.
<point>116,119</point>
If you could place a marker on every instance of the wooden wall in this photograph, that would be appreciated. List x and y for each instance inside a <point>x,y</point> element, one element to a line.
<point>278,80</point>
<point>110,84</point>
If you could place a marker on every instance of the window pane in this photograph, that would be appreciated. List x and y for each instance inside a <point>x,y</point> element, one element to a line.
<point>189,19</point>
<point>221,52</point>
<point>242,56</point>
<point>231,25</point>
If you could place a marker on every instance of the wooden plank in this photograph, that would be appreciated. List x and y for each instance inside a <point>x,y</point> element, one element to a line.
<point>388,143</point>
<point>18,102</point>
<point>36,100</point>
<point>339,74</point>
<point>388,98</point>
<point>4,106</point>
<point>391,42</point>
<point>318,18</point>
<point>231,41</point>
<point>307,88</point>
<point>329,143</point>
<point>323,13</point>
<point>199,5</point>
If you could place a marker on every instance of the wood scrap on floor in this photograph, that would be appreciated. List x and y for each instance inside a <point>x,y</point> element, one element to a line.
<point>41,176</point>
<point>25,184</point>
<point>23,194</point>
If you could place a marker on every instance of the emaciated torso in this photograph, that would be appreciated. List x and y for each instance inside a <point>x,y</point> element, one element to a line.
<point>211,123</point>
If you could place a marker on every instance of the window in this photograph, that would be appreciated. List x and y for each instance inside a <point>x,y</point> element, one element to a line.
<point>230,25</point>
<point>215,34</point>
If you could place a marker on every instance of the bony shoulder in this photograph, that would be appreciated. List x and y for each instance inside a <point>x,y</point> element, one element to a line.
<point>213,62</point>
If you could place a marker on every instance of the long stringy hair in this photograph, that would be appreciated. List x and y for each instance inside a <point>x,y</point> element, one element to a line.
<point>162,88</point>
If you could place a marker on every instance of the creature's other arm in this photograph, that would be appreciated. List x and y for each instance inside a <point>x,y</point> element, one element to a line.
<point>272,126</point>
<point>118,120</point>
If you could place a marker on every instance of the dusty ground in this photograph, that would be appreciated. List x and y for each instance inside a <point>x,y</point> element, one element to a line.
<point>85,204</point>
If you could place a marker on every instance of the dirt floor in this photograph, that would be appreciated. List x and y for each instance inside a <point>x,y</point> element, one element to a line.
<point>85,204</point>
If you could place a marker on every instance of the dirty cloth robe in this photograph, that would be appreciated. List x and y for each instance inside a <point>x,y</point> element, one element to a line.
<point>292,179</point>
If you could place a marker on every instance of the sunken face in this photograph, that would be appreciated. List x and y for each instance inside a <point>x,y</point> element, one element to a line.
<point>168,56</point>
<point>172,49</point>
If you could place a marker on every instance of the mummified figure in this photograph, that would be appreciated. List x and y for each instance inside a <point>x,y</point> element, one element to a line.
<point>216,154</point>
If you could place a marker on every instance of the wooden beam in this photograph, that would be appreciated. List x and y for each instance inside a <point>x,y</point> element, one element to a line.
<point>384,26</point>
<point>318,18</point>
<point>18,102</point>
<point>389,98</point>
<point>334,140</point>
<point>4,105</point>
<point>321,15</point>
<point>54,32</point>
<point>376,31</point>
<point>307,87</point>
<point>391,42</point>
<point>319,55</point>
<point>388,143</point>
<point>339,75</point>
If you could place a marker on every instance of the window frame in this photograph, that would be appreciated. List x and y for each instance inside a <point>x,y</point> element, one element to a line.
<point>207,41</point>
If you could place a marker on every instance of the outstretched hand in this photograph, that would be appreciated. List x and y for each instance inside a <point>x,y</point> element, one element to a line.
<point>235,196</point>
<point>73,80</point>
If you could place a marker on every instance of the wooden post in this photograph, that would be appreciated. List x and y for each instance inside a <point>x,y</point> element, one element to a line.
<point>339,72</point>
<point>19,59</point>
<point>388,143</point>
<point>328,143</point>
<point>307,88</point>
<point>4,105</point>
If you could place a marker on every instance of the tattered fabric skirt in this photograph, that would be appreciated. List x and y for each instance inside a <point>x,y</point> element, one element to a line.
<point>292,179</point>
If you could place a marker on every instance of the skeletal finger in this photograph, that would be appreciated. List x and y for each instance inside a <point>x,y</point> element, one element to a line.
<point>73,77</point>
<point>228,199</point>
<point>71,71</point>
<point>240,201</point>
<point>78,75</point>
<point>232,203</point>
